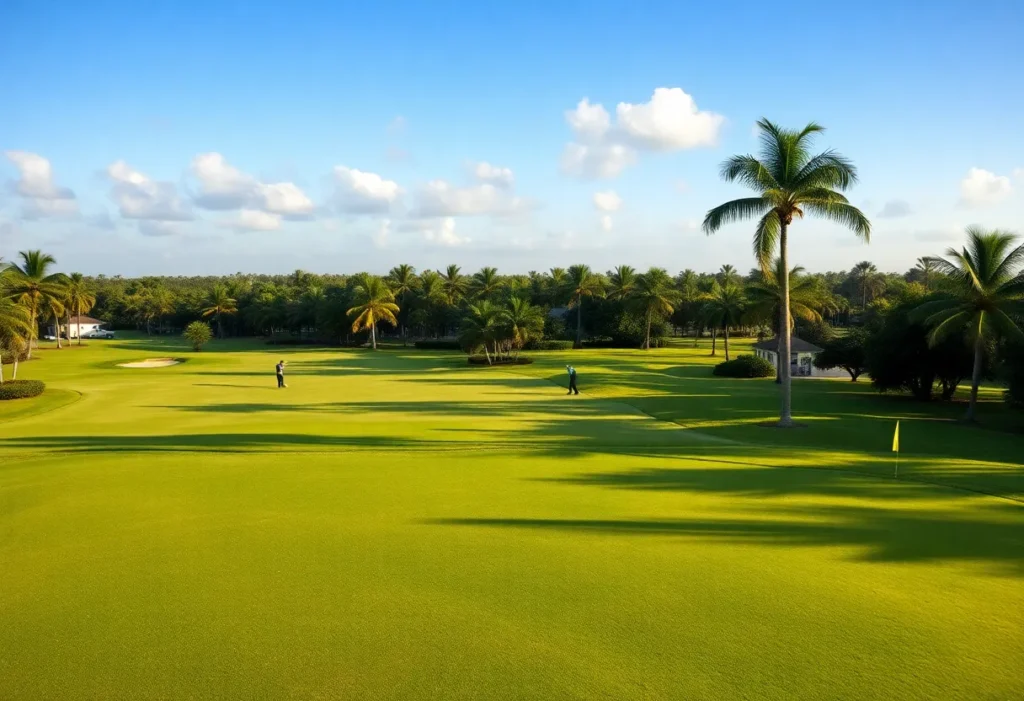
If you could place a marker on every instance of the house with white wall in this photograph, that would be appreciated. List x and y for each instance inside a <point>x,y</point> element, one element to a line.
<point>801,359</point>
<point>79,324</point>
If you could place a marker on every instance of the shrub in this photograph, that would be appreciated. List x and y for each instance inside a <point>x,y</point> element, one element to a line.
<point>606,342</point>
<point>199,334</point>
<point>1013,374</point>
<point>21,389</point>
<point>745,366</point>
<point>548,345</point>
<point>482,360</point>
<point>439,344</point>
<point>846,352</point>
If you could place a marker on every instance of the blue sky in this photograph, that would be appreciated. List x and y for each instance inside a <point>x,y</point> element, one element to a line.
<point>203,137</point>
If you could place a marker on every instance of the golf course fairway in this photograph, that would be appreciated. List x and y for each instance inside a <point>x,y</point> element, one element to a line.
<point>399,525</point>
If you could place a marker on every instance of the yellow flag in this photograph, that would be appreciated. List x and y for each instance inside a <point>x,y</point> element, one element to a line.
<point>896,439</point>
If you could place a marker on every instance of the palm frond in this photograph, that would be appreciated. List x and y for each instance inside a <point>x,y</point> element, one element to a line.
<point>766,238</point>
<point>736,210</point>
<point>748,171</point>
<point>842,213</point>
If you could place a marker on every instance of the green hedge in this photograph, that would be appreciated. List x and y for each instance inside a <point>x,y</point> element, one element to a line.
<point>548,345</point>
<point>21,389</point>
<point>482,360</point>
<point>605,342</point>
<point>440,344</point>
<point>745,366</point>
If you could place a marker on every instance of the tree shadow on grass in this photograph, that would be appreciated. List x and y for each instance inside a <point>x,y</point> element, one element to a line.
<point>993,536</point>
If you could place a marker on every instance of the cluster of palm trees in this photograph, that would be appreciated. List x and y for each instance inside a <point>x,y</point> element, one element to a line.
<point>29,294</point>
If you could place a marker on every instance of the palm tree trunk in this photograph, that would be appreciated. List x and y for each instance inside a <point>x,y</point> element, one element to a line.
<point>579,324</point>
<point>56,327</point>
<point>979,352</point>
<point>220,327</point>
<point>1,367</point>
<point>714,341</point>
<point>68,326</point>
<point>727,343</point>
<point>373,335</point>
<point>786,351</point>
<point>78,322</point>
<point>33,332</point>
<point>14,375</point>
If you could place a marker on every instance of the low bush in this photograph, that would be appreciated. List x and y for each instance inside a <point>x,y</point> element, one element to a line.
<point>21,389</point>
<point>439,344</point>
<point>745,366</point>
<point>482,360</point>
<point>547,345</point>
<point>605,342</point>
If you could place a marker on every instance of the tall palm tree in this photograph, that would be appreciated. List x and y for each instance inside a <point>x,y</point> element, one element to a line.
<point>31,284</point>
<point>52,310</point>
<point>486,283</point>
<point>15,331</point>
<point>654,295</point>
<point>789,182</point>
<point>403,282</point>
<point>220,304</point>
<point>723,308</point>
<point>79,300</point>
<point>557,282</point>
<point>523,321</point>
<point>727,275</point>
<point>926,269</point>
<point>581,283</point>
<point>764,300</point>
<point>481,326</point>
<point>454,284</point>
<point>375,302</point>
<point>621,282</point>
<point>868,280</point>
<point>983,294</point>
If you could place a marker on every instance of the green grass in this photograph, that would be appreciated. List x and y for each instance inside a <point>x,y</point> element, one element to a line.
<point>401,526</point>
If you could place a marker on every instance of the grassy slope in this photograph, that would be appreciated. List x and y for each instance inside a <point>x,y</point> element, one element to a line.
<point>400,526</point>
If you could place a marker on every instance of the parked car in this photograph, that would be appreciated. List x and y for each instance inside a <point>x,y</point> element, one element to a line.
<point>98,333</point>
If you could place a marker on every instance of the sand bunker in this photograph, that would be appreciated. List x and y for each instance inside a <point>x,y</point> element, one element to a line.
<point>150,363</point>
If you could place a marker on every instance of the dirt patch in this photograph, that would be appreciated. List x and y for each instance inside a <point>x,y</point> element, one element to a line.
<point>150,363</point>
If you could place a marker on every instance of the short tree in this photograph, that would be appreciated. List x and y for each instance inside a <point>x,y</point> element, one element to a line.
<point>199,334</point>
<point>846,352</point>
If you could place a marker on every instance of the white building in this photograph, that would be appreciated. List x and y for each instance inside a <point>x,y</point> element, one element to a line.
<point>84,325</point>
<point>801,359</point>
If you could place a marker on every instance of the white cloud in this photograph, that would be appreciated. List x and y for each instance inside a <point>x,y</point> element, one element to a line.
<point>590,122</point>
<point>157,229</point>
<point>486,173</point>
<point>443,233</point>
<point>894,209</point>
<point>439,198</point>
<point>359,192</point>
<point>41,196</point>
<point>383,233</point>
<point>688,225</point>
<point>596,161</point>
<point>981,187</point>
<point>607,201</point>
<point>222,186</point>
<point>139,197</point>
<point>606,222</point>
<point>254,220</point>
<point>1018,173</point>
<point>669,121</point>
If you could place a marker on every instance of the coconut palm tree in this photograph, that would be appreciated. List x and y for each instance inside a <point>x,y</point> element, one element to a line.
<point>723,307</point>
<point>482,327</point>
<point>654,295</point>
<point>220,304</point>
<point>375,302</point>
<point>764,300</point>
<point>454,285</point>
<point>868,280</point>
<point>557,283</point>
<point>789,182</point>
<point>727,275</point>
<point>926,269</point>
<point>982,295</point>
<point>31,284</point>
<point>52,310</point>
<point>15,331</point>
<point>523,321</point>
<point>581,283</point>
<point>79,299</point>
<point>486,283</point>
<point>403,282</point>
<point>621,282</point>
